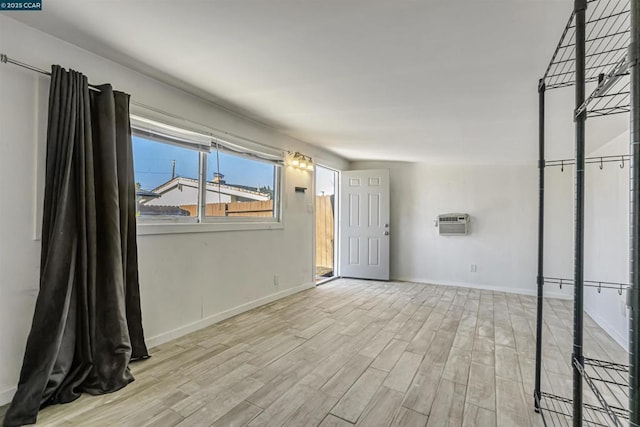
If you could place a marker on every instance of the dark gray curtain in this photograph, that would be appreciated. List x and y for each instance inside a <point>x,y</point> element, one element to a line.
<point>87,324</point>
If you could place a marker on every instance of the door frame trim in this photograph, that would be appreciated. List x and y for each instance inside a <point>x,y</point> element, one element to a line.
<point>336,226</point>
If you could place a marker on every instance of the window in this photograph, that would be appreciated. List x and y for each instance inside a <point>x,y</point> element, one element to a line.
<point>240,187</point>
<point>190,177</point>
<point>166,178</point>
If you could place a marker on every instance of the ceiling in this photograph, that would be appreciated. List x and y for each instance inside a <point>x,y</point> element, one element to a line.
<point>431,81</point>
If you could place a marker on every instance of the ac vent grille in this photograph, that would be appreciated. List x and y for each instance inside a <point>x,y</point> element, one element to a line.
<point>453,224</point>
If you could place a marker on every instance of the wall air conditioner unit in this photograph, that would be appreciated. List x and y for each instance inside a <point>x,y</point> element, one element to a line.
<point>453,224</point>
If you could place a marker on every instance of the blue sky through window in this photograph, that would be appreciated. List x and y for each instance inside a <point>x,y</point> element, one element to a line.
<point>153,162</point>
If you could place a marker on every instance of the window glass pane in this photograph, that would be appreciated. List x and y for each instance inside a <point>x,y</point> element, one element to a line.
<point>239,187</point>
<point>166,179</point>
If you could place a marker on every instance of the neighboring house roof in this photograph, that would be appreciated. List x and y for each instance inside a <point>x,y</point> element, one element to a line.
<point>231,190</point>
<point>146,194</point>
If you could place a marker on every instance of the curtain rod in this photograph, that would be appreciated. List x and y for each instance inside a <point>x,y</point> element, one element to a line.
<point>6,60</point>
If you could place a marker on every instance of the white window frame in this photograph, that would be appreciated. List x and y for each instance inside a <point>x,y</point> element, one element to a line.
<point>167,224</point>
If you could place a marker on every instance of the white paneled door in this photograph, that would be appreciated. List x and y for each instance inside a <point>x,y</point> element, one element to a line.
<point>364,224</point>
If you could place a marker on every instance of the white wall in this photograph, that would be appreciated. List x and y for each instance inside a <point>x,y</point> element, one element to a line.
<point>502,202</point>
<point>607,238</point>
<point>187,280</point>
<point>19,253</point>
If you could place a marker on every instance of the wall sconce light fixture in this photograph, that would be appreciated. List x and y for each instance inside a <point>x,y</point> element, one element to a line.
<point>301,161</point>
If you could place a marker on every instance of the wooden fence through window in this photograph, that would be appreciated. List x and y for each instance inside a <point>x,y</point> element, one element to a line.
<point>250,209</point>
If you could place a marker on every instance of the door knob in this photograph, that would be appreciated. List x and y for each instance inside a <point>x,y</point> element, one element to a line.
<point>386,226</point>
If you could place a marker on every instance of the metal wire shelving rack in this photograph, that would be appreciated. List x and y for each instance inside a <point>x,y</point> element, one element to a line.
<point>599,49</point>
<point>558,411</point>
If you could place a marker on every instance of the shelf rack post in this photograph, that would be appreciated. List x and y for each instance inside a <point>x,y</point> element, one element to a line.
<point>580,7</point>
<point>540,278</point>
<point>634,174</point>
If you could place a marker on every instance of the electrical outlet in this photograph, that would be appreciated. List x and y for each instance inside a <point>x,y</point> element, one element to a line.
<point>474,268</point>
<point>276,280</point>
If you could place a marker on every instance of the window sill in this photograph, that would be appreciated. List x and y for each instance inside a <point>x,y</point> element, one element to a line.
<point>145,229</point>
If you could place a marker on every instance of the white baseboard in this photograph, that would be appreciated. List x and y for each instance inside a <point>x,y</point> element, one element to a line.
<point>7,395</point>
<point>610,330</point>
<point>210,320</point>
<point>530,292</point>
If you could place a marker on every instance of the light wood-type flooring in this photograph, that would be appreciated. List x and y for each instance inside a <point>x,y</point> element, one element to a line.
<point>353,352</point>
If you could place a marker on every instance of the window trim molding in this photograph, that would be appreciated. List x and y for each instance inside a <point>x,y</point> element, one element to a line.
<point>157,228</point>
